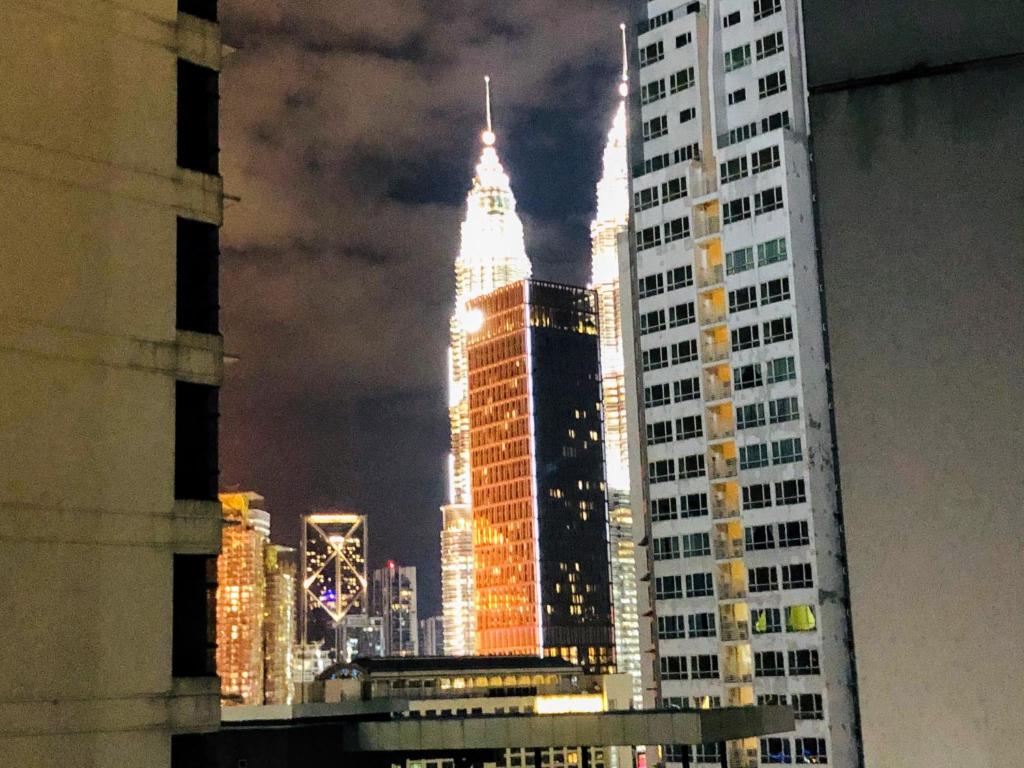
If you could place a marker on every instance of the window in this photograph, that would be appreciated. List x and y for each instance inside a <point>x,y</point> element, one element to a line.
<point>655,128</point>
<point>745,337</point>
<point>677,229</point>
<point>775,121</point>
<point>769,664</point>
<point>737,97</point>
<point>778,330</point>
<point>657,394</point>
<point>699,585</point>
<point>198,119</point>
<point>691,466</point>
<point>700,625</point>
<point>804,662</point>
<point>673,189</point>
<point>688,114</point>
<point>747,377</point>
<point>671,627</point>
<point>739,261</point>
<point>659,432</point>
<point>707,753</point>
<point>811,751</point>
<point>771,251</point>
<point>666,548</point>
<point>656,21</point>
<point>787,451</point>
<point>769,45</point>
<point>684,39</point>
<point>733,169</point>
<point>800,618</point>
<point>754,456</point>
<point>689,152</point>
<point>648,238</point>
<point>732,19</point>
<point>674,702</point>
<point>750,416</point>
<point>766,621</point>
<point>663,509</point>
<point>695,504</point>
<point>198,266</point>
<point>203,9</point>
<point>696,545</point>
<point>681,314</point>
<point>784,409</point>
<point>768,201</point>
<point>794,534</point>
<point>651,285</point>
<point>652,53</point>
<point>662,471</point>
<point>195,442</point>
<point>740,133</point>
<point>776,750</point>
<point>705,666</point>
<point>653,91</point>
<point>684,352</point>
<point>645,199</point>
<point>775,290</point>
<point>781,369</point>
<point>738,57</point>
<point>762,579</point>
<point>736,210</point>
<point>765,159</point>
<point>680,277</point>
<point>653,359</point>
<point>689,427</point>
<point>668,587</point>
<point>758,537</point>
<point>681,80</point>
<point>757,496</point>
<point>742,298</point>
<point>194,619</point>
<point>808,706</point>
<point>771,84</point>
<point>763,8</point>
<point>771,700</point>
<point>790,492</point>
<point>673,667</point>
<point>797,576</point>
<point>651,322</point>
<point>651,164</point>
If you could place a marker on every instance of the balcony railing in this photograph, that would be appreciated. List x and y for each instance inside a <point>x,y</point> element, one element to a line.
<point>728,550</point>
<point>721,470</point>
<point>742,758</point>
<point>717,392</point>
<point>712,315</point>
<point>701,181</point>
<point>729,591</point>
<point>712,353</point>
<point>712,275</point>
<point>721,431</point>
<point>733,631</point>
<point>737,677</point>
<point>723,510</point>
<point>706,226</point>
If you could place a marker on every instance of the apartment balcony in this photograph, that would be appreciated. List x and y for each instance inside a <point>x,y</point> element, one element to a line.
<point>729,550</point>
<point>723,510</point>
<point>731,632</point>
<point>710,276</point>
<point>706,228</point>
<point>731,591</point>
<point>714,353</point>
<point>723,470</point>
<point>721,431</point>
<point>702,184</point>
<point>742,758</point>
<point>713,315</point>
<point>733,676</point>
<point>713,392</point>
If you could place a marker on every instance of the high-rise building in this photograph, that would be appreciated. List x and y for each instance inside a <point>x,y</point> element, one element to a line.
<point>110,363</point>
<point>727,382</point>
<point>609,234</point>
<point>432,636</point>
<point>539,501</point>
<point>241,598</point>
<point>334,581</point>
<point>492,254</point>
<point>279,625</point>
<point>393,599</point>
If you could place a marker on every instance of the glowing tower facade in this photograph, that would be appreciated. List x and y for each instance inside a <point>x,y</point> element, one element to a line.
<point>609,239</point>
<point>492,255</point>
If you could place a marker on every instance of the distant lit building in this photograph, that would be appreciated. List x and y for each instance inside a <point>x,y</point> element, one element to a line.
<point>432,636</point>
<point>334,577</point>
<point>279,624</point>
<point>492,254</point>
<point>539,502</point>
<point>393,599</point>
<point>309,661</point>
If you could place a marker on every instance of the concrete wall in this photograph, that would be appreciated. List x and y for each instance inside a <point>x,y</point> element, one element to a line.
<point>89,192</point>
<point>922,234</point>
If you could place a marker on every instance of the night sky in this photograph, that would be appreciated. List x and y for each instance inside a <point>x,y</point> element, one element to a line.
<point>350,132</point>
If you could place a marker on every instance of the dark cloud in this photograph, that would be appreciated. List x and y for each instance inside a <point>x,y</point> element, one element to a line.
<point>350,132</point>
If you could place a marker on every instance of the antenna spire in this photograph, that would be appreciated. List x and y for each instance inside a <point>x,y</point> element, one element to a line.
<point>624,85</point>
<point>488,135</point>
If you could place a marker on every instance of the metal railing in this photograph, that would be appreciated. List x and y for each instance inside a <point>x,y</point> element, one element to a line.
<point>731,632</point>
<point>721,431</point>
<point>721,470</point>
<point>719,392</point>
<point>735,676</point>
<point>728,591</point>
<point>711,275</point>
<point>722,510</point>
<point>706,226</point>
<point>728,550</point>
<point>712,316</point>
<point>712,353</point>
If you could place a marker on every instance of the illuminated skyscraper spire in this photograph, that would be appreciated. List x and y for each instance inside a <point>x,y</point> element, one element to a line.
<point>608,233</point>
<point>492,255</point>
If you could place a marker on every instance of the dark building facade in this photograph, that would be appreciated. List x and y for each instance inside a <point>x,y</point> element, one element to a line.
<point>539,498</point>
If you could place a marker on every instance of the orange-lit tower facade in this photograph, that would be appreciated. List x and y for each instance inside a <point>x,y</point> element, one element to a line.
<point>537,481</point>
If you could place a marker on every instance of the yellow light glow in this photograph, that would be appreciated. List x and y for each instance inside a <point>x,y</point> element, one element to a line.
<point>473,320</point>
<point>560,705</point>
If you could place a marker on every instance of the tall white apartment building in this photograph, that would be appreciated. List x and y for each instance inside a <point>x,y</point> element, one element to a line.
<point>728,386</point>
